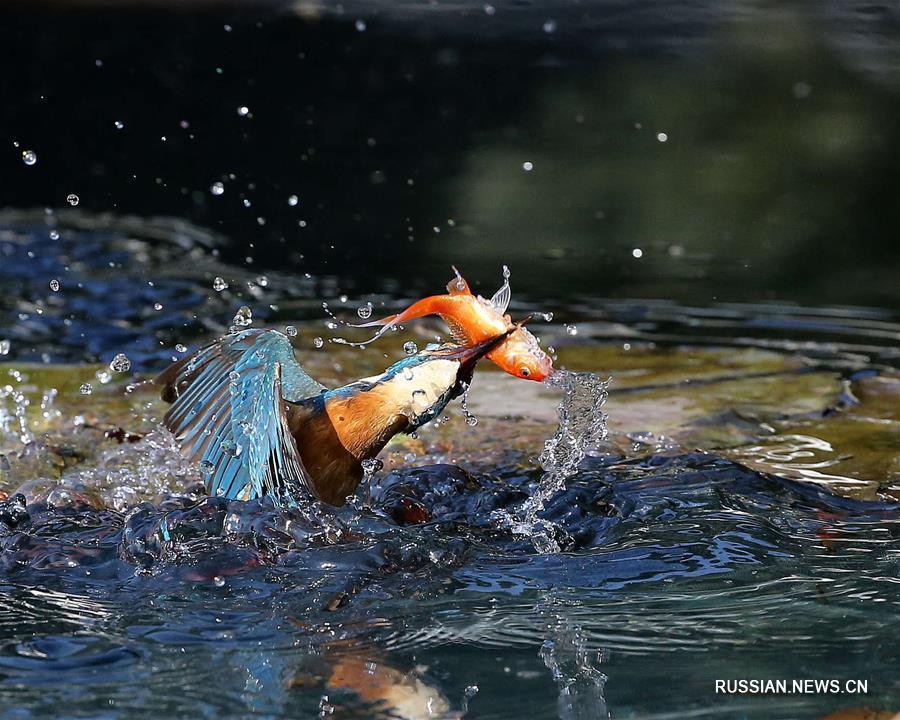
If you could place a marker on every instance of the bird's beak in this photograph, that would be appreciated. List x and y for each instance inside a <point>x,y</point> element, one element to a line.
<point>528,318</point>
<point>469,355</point>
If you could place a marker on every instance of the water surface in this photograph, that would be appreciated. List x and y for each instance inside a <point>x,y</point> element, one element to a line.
<point>702,194</point>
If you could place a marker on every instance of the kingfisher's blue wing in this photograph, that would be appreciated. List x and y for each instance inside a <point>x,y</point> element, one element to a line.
<point>228,413</point>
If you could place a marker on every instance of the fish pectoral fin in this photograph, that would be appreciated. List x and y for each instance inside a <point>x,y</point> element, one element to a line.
<point>458,332</point>
<point>228,414</point>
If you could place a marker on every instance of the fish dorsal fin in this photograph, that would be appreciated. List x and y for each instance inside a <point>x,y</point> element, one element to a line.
<point>500,300</point>
<point>458,284</point>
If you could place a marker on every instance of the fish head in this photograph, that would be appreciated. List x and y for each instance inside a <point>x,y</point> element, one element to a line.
<point>520,355</point>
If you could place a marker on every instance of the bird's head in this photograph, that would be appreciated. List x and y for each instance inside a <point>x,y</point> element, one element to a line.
<point>421,385</point>
<point>464,356</point>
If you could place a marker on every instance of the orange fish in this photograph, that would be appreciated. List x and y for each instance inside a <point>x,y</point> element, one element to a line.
<point>472,319</point>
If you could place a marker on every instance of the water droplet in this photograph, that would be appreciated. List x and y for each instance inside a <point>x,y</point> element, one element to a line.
<point>371,466</point>
<point>293,200</point>
<point>4,347</point>
<point>460,283</point>
<point>29,157</point>
<point>571,329</point>
<point>219,284</point>
<point>318,342</point>
<point>72,199</point>
<point>360,25</point>
<point>229,447</point>
<point>410,348</point>
<point>206,467</point>
<point>54,234</point>
<point>262,281</point>
<point>662,137</point>
<point>243,111</point>
<point>802,90</point>
<point>218,581</point>
<point>119,124</point>
<point>471,420</point>
<point>243,317</point>
<point>365,312</point>
<point>180,348</point>
<point>549,26</point>
<point>217,188</point>
<point>86,389</point>
<point>157,306</point>
<point>489,10</point>
<point>54,285</point>
<point>290,331</point>
<point>528,166</point>
<point>104,376</point>
<point>407,373</point>
<point>120,363</point>
<point>638,253</point>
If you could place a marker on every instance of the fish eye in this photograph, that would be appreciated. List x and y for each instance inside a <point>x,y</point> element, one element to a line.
<point>525,371</point>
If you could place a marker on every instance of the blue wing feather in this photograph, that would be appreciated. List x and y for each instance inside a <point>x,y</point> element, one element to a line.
<point>227,413</point>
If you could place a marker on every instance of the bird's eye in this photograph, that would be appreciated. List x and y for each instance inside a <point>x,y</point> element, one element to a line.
<point>525,372</point>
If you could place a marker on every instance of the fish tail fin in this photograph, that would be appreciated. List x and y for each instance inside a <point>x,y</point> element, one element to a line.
<point>426,306</point>
<point>389,320</point>
<point>431,305</point>
<point>386,323</point>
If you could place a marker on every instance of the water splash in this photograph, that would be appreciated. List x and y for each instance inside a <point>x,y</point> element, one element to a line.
<point>566,655</point>
<point>582,425</point>
<point>470,418</point>
<point>14,419</point>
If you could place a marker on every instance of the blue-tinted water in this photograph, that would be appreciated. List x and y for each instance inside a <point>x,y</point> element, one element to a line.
<point>675,572</point>
<point>705,191</point>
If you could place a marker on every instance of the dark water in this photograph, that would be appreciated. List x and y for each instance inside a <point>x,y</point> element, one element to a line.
<point>766,223</point>
<point>776,180</point>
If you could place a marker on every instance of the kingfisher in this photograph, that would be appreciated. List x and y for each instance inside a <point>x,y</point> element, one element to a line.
<point>258,424</point>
